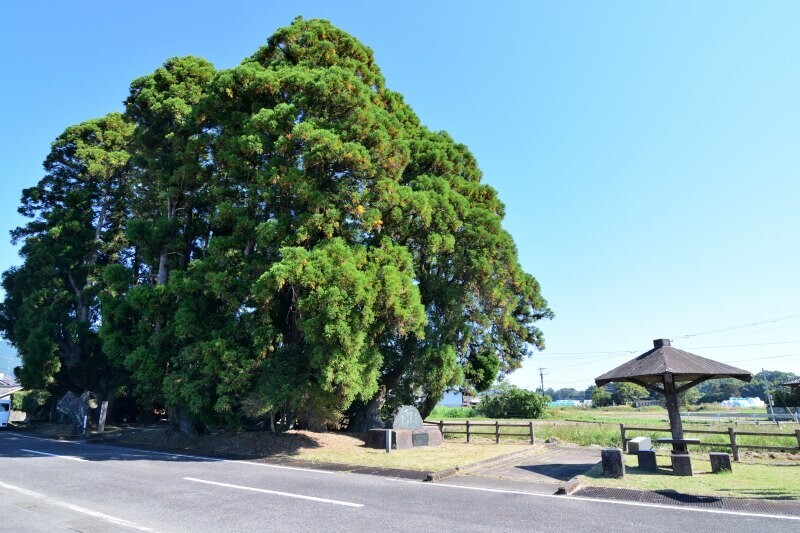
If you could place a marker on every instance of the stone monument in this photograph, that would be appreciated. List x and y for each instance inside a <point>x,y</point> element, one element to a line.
<point>407,431</point>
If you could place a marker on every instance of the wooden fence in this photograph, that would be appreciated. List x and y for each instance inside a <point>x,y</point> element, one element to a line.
<point>470,431</point>
<point>731,433</point>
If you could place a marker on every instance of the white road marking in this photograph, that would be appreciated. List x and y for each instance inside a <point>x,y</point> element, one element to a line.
<point>196,457</point>
<point>48,440</point>
<point>483,489</point>
<point>236,461</point>
<point>282,467</point>
<point>613,502</point>
<point>70,457</point>
<point>274,492</point>
<point>76,508</point>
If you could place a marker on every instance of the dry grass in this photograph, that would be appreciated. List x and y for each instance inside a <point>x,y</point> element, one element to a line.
<point>448,455</point>
<point>328,447</point>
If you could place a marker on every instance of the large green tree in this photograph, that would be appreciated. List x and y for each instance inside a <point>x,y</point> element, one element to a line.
<point>299,244</point>
<point>51,310</point>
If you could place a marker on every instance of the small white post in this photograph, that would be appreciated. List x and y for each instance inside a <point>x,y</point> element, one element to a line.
<point>388,441</point>
<point>101,423</point>
<point>85,418</point>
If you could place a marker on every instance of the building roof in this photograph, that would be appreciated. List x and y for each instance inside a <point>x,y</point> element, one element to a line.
<point>792,382</point>
<point>8,387</point>
<point>651,366</point>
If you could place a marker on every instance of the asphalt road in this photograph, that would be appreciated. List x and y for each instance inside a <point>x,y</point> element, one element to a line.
<point>63,486</point>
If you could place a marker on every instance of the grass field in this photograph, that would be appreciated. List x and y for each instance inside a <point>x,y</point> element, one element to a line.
<point>600,427</point>
<point>756,479</point>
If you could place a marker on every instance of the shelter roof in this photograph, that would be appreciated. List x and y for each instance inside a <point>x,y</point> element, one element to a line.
<point>792,382</point>
<point>651,366</point>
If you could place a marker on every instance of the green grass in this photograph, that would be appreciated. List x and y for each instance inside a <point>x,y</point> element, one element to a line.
<point>600,427</point>
<point>449,413</point>
<point>747,480</point>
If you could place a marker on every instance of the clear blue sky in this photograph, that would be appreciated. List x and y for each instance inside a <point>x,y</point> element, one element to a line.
<point>648,153</point>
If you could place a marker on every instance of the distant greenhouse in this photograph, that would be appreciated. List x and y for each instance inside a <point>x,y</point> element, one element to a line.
<point>565,403</point>
<point>743,402</point>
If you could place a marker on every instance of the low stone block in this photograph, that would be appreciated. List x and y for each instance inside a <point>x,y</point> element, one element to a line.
<point>404,439</point>
<point>613,462</point>
<point>426,436</point>
<point>720,461</point>
<point>682,464</point>
<point>639,443</point>
<point>376,438</point>
<point>647,460</point>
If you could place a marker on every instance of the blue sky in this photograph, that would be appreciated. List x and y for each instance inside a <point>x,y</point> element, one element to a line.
<point>647,153</point>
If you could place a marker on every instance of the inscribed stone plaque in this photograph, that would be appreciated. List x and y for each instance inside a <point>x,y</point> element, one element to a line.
<point>406,417</point>
<point>419,439</point>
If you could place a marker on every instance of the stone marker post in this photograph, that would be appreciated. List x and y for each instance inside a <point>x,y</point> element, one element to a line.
<point>647,460</point>
<point>613,462</point>
<point>720,461</point>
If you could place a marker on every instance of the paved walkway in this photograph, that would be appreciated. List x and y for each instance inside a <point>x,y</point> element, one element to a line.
<point>543,472</point>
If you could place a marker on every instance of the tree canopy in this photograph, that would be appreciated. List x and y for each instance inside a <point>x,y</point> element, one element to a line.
<point>282,237</point>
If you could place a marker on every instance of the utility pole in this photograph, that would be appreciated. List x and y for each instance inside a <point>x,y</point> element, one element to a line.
<point>769,398</point>
<point>541,379</point>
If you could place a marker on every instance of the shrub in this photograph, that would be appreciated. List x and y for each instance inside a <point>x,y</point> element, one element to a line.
<point>442,412</point>
<point>514,403</point>
<point>601,397</point>
<point>33,402</point>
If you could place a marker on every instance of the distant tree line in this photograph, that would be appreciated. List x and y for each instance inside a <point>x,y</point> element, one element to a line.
<point>283,240</point>
<point>712,391</point>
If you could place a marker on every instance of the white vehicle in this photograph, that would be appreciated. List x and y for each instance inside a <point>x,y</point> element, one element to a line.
<point>5,411</point>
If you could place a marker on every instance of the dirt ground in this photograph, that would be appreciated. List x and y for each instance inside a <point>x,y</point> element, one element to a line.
<point>216,442</point>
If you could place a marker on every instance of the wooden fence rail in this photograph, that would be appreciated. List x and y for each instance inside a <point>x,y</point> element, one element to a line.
<point>443,427</point>
<point>732,437</point>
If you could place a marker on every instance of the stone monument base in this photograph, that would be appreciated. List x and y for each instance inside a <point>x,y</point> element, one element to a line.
<point>404,439</point>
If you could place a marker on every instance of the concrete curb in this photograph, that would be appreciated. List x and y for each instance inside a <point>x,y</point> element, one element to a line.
<point>570,486</point>
<point>450,472</point>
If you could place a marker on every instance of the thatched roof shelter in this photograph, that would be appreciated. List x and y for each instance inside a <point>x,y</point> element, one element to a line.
<point>651,367</point>
<point>668,366</point>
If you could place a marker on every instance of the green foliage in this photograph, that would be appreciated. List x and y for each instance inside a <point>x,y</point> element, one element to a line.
<point>32,402</point>
<point>280,238</point>
<point>442,412</point>
<point>51,309</point>
<point>601,397</point>
<point>625,393</point>
<point>689,397</point>
<point>514,402</point>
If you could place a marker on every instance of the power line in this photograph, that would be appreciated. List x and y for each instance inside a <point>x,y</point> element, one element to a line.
<point>741,326</point>
<point>741,345</point>
<point>623,352</point>
<point>762,358</point>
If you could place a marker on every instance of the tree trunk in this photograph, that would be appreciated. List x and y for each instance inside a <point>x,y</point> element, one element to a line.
<point>181,421</point>
<point>427,406</point>
<point>162,267</point>
<point>368,416</point>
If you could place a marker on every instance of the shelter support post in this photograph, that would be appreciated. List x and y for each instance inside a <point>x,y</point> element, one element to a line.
<point>675,426</point>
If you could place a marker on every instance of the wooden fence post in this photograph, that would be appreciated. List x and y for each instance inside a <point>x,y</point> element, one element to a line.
<point>467,430</point>
<point>496,432</point>
<point>624,442</point>
<point>441,427</point>
<point>734,446</point>
<point>797,434</point>
<point>533,439</point>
